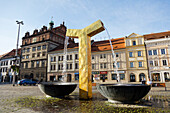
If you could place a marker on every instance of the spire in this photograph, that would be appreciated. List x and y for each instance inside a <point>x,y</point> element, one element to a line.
<point>51,24</point>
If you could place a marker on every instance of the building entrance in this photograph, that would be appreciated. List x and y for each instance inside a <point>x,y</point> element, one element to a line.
<point>132,77</point>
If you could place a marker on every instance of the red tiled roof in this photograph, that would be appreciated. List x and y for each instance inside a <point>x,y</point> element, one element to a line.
<point>3,55</point>
<point>156,35</point>
<point>11,53</point>
<point>118,43</point>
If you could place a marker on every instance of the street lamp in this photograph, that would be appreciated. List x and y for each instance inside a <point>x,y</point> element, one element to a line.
<point>16,53</point>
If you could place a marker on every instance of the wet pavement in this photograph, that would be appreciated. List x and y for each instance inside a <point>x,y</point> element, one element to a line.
<point>29,99</point>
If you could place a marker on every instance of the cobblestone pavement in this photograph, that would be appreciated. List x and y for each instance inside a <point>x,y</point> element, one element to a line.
<point>9,93</point>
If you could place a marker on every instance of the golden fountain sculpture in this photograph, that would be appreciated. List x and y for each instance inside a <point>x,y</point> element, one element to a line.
<point>84,35</point>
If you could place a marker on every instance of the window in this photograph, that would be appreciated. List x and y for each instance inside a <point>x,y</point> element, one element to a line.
<point>70,66</point>
<point>42,75</point>
<point>67,66</point>
<point>114,76</point>
<point>62,57</point>
<point>70,57</point>
<point>156,63</point>
<point>43,63</point>
<point>140,41</point>
<point>53,67</point>
<point>76,56</point>
<point>134,43</point>
<point>23,51</point>
<point>122,76</point>
<point>34,49</point>
<point>6,62</point>
<point>44,53</point>
<point>11,62</point>
<point>37,64</point>
<point>32,64</point>
<point>38,54</point>
<point>139,53</point>
<point>76,65</point>
<point>117,55</point>
<point>26,65</point>
<point>93,66</point>
<point>151,63</point>
<point>67,57</point>
<point>128,42</point>
<point>39,48</point>
<point>23,57</point>
<point>150,52</point>
<point>102,56</point>
<point>44,47</point>
<point>59,58</point>
<point>33,55</point>
<point>101,66</point>
<point>118,64</point>
<point>130,54</point>
<point>114,65</point>
<point>131,64</point>
<point>164,62</point>
<point>154,52</point>
<point>162,51</point>
<point>105,66</point>
<point>59,67</point>
<point>52,59</point>
<point>140,64</point>
<point>27,57</point>
<point>28,49</point>
<point>34,40</point>
<point>92,57</point>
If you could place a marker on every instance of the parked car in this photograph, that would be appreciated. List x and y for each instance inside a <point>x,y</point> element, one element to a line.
<point>26,82</point>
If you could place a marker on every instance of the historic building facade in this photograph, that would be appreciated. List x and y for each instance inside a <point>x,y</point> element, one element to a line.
<point>6,61</point>
<point>136,58</point>
<point>103,67</point>
<point>158,52</point>
<point>35,48</point>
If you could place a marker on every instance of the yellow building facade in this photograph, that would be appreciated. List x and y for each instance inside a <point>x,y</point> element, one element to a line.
<point>136,61</point>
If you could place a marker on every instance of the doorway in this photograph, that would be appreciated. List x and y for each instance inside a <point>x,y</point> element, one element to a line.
<point>141,77</point>
<point>68,77</point>
<point>132,77</point>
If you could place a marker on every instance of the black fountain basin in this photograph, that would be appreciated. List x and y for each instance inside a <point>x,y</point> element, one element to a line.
<point>57,89</point>
<point>123,93</point>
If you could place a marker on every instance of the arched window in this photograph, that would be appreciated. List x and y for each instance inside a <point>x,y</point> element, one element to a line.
<point>142,77</point>
<point>132,77</point>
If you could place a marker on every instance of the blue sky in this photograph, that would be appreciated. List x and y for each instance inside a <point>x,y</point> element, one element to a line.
<point>120,17</point>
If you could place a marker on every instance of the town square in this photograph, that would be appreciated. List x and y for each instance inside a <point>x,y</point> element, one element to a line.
<point>85,56</point>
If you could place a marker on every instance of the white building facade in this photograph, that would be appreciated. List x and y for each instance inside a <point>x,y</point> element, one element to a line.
<point>5,69</point>
<point>158,55</point>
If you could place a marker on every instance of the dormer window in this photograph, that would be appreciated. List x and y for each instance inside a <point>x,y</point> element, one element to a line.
<point>134,43</point>
<point>35,31</point>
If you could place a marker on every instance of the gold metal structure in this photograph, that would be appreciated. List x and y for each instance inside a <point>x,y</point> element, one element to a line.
<point>84,35</point>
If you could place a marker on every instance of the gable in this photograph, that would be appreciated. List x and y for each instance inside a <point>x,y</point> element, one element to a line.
<point>133,35</point>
